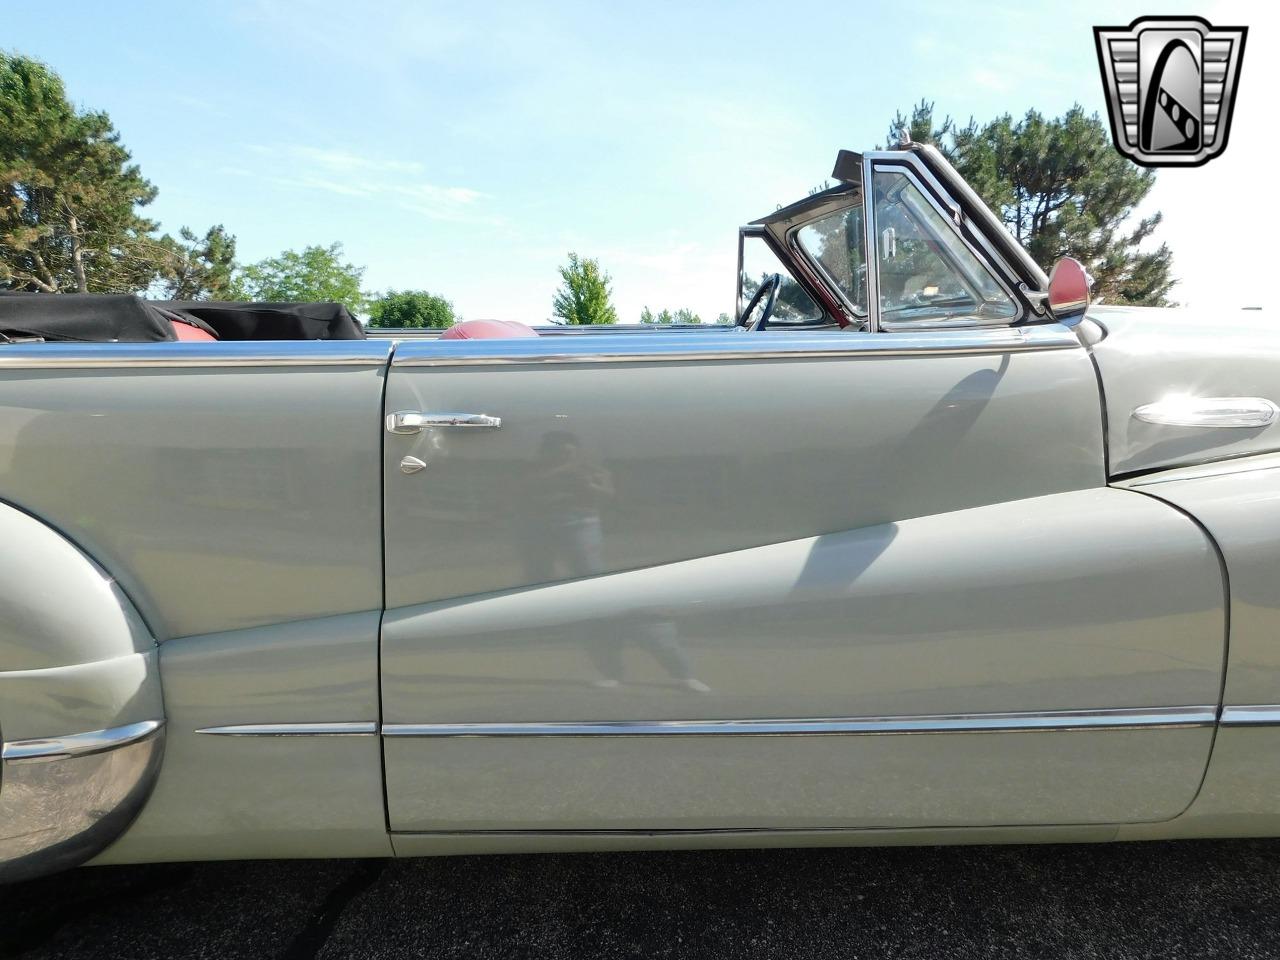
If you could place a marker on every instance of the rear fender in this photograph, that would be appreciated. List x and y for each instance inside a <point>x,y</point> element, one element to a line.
<point>81,712</point>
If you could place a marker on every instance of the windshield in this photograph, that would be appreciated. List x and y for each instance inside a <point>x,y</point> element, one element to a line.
<point>836,243</point>
<point>759,263</point>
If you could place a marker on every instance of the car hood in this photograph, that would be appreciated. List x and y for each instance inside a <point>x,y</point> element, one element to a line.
<point>1149,354</point>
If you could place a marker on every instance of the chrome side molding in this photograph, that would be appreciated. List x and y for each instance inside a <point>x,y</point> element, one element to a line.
<point>1205,715</point>
<point>1220,412</point>
<point>1253,715</point>
<point>338,729</point>
<point>1123,719</point>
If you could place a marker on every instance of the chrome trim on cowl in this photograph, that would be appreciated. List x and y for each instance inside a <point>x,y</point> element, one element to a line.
<point>339,729</point>
<point>63,800</point>
<point>1047,722</point>
<point>1219,412</point>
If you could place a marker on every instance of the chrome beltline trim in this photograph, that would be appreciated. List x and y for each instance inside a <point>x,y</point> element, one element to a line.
<point>236,354</point>
<point>1253,715</point>
<point>340,729</point>
<point>1124,719</point>
<point>77,744</point>
<point>698,347</point>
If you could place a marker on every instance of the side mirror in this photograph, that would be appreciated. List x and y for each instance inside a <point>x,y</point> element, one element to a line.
<point>1068,290</point>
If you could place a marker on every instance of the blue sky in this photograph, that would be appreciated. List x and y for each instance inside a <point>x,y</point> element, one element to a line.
<point>465,148</point>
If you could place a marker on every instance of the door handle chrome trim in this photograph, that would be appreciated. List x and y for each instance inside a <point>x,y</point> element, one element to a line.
<point>411,421</point>
<point>1229,412</point>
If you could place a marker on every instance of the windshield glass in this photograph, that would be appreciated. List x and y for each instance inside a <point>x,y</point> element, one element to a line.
<point>759,263</point>
<point>837,244</point>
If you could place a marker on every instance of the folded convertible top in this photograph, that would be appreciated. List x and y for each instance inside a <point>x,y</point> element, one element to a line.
<point>104,318</point>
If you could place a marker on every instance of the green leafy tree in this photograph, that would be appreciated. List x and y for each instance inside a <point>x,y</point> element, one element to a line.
<point>411,308</point>
<point>198,268</point>
<point>724,320</point>
<point>314,274</point>
<point>69,196</point>
<point>682,316</point>
<point>1062,190</point>
<point>584,297</point>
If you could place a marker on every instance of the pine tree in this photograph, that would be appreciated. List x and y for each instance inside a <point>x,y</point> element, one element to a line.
<point>1062,190</point>
<point>69,196</point>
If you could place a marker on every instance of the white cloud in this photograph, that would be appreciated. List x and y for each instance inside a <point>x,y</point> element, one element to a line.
<point>346,173</point>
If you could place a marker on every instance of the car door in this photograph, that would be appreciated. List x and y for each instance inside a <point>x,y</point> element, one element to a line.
<point>706,581</point>
<point>789,579</point>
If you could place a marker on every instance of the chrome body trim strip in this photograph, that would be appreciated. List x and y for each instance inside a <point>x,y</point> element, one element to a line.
<point>1254,715</point>
<point>238,354</point>
<point>77,744</point>
<point>339,729</point>
<point>772,345</point>
<point>1217,412</point>
<point>1061,720</point>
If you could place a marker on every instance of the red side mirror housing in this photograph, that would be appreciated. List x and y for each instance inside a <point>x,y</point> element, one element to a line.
<point>1068,290</point>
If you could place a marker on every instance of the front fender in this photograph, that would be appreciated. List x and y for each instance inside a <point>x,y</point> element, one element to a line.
<point>81,713</point>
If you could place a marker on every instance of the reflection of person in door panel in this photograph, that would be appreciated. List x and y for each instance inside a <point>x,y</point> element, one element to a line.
<point>565,540</point>
<point>568,492</point>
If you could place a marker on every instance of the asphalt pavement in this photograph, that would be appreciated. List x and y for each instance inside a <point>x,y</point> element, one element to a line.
<point>1194,899</point>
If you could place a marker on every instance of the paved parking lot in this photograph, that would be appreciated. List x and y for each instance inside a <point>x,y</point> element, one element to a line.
<point>1156,900</point>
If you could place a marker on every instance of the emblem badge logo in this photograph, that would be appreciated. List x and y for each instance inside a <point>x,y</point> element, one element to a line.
<point>1171,86</point>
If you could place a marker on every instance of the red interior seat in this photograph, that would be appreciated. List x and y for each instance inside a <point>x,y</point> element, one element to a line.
<point>487,330</point>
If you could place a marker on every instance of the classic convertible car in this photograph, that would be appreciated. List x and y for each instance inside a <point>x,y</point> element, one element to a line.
<point>924,550</point>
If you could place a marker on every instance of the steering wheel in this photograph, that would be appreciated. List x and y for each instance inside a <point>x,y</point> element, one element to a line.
<point>768,292</point>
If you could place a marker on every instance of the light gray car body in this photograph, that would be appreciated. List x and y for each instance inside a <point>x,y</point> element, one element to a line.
<point>879,584</point>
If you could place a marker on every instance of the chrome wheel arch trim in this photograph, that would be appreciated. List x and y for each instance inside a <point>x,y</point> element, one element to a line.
<point>1044,722</point>
<point>64,800</point>
<point>77,744</point>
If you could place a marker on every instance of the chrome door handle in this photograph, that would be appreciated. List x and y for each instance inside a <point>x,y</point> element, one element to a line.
<point>411,421</point>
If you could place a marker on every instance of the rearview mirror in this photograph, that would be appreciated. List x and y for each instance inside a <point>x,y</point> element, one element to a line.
<point>1068,290</point>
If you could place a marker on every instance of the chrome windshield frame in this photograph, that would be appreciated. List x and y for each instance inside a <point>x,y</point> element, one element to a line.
<point>910,167</point>
<point>977,228</point>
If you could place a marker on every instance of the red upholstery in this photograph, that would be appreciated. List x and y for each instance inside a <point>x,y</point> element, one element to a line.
<point>185,331</point>
<point>487,330</point>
